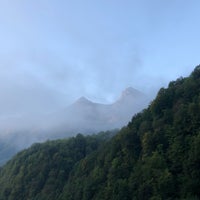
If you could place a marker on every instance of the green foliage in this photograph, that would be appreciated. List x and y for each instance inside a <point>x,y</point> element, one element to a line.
<point>41,171</point>
<point>155,157</point>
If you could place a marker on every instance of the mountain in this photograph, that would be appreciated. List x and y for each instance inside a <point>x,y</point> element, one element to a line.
<point>82,116</point>
<point>130,102</point>
<point>156,156</point>
<point>86,116</point>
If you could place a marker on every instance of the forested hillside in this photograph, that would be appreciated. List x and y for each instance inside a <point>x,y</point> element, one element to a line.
<point>41,171</point>
<point>156,156</point>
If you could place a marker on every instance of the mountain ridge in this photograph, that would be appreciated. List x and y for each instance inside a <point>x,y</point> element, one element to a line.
<point>129,91</point>
<point>101,116</point>
<point>82,116</point>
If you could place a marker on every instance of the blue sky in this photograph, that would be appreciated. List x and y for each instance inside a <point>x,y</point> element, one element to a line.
<point>52,52</point>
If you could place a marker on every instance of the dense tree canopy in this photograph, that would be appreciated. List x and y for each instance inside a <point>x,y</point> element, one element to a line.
<point>156,156</point>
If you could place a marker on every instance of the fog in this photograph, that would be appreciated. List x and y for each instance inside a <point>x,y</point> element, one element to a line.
<point>53,52</point>
<point>20,131</point>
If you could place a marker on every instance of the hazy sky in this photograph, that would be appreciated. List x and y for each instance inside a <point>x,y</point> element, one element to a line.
<point>53,51</point>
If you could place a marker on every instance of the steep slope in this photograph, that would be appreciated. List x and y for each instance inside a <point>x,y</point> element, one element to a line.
<point>157,156</point>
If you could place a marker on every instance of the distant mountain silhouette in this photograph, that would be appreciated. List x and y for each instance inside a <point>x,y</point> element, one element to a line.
<point>86,116</point>
<point>82,116</point>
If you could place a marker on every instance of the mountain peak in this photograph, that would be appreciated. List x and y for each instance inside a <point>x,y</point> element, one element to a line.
<point>131,91</point>
<point>83,100</point>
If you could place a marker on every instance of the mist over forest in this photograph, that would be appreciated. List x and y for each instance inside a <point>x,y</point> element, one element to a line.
<point>82,116</point>
<point>156,156</point>
<point>99,100</point>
